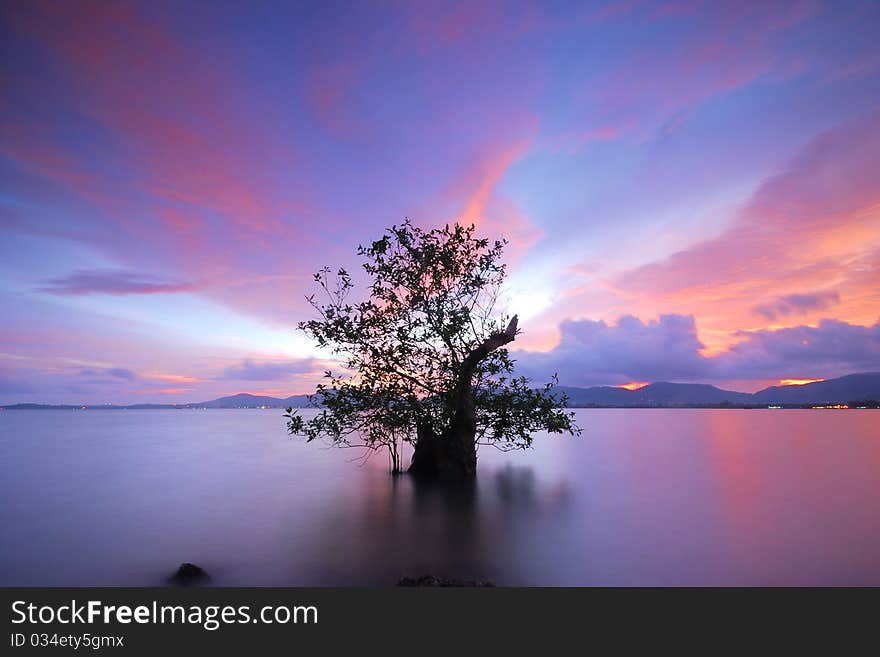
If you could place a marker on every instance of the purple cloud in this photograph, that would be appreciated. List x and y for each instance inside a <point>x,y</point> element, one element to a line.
<point>112,281</point>
<point>114,372</point>
<point>831,349</point>
<point>595,353</point>
<point>62,384</point>
<point>793,304</point>
<point>248,370</point>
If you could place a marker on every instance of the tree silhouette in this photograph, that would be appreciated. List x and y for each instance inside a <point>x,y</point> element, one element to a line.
<point>423,357</point>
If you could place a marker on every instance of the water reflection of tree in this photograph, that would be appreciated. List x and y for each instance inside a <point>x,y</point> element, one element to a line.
<point>407,527</point>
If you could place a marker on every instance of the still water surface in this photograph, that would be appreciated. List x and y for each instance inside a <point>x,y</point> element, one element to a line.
<point>644,497</point>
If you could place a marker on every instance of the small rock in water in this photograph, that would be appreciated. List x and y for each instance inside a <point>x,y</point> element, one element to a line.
<point>189,573</point>
<point>431,580</point>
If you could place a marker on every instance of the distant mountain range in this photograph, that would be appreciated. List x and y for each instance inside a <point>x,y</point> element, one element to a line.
<point>853,387</point>
<point>245,400</point>
<point>241,400</point>
<point>845,389</point>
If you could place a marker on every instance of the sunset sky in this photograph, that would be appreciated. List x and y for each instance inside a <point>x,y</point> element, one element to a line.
<point>691,189</point>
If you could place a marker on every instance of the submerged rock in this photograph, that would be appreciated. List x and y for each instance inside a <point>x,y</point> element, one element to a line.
<point>431,580</point>
<point>189,574</point>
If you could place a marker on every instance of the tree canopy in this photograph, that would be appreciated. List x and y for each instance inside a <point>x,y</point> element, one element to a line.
<point>421,356</point>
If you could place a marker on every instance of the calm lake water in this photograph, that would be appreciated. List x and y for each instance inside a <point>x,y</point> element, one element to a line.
<point>644,497</point>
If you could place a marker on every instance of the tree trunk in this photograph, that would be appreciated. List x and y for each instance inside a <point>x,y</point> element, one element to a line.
<point>453,453</point>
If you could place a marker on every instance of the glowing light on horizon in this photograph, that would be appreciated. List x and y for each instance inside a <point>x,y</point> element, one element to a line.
<point>633,385</point>
<point>167,391</point>
<point>797,382</point>
<point>172,378</point>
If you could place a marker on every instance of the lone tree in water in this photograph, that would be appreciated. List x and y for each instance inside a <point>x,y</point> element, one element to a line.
<point>423,357</point>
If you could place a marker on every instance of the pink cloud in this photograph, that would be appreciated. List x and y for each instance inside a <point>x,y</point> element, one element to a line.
<point>814,228</point>
<point>476,199</point>
<point>192,185</point>
<point>193,152</point>
<point>165,391</point>
<point>478,183</point>
<point>170,378</point>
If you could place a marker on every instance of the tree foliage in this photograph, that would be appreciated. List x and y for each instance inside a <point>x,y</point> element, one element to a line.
<point>406,349</point>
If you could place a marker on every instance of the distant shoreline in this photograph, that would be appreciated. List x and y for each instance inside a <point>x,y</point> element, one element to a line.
<point>857,391</point>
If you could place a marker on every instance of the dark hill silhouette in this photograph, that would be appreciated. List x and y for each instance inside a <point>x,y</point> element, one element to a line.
<point>241,400</point>
<point>845,388</point>
<point>247,400</point>
<point>689,393</point>
<point>656,394</point>
<point>832,391</point>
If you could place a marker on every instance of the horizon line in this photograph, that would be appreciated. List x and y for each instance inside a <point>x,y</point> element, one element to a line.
<point>623,386</point>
